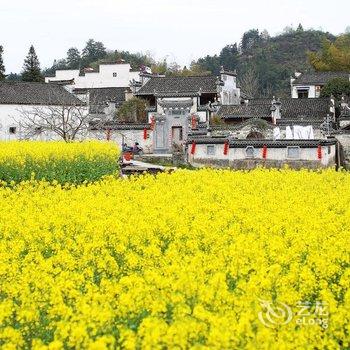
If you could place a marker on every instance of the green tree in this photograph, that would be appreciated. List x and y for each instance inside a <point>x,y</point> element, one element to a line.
<point>160,67</point>
<point>73,59</point>
<point>250,39</point>
<point>336,87</point>
<point>133,111</point>
<point>229,57</point>
<point>93,51</point>
<point>334,56</point>
<point>210,63</point>
<point>13,77</point>
<point>31,68</point>
<point>2,67</point>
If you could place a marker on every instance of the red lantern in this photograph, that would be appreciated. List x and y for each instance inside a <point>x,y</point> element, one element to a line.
<point>193,148</point>
<point>194,122</point>
<point>145,134</point>
<point>226,146</point>
<point>319,152</point>
<point>264,152</point>
<point>153,122</point>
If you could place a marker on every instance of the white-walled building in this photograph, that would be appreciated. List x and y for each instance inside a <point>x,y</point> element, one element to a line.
<point>309,85</point>
<point>175,103</point>
<point>116,74</point>
<point>250,153</point>
<point>17,99</point>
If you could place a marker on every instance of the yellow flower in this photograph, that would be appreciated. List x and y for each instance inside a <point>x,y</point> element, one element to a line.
<point>179,260</point>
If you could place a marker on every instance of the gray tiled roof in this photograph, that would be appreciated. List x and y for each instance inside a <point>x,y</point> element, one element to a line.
<point>23,93</point>
<point>291,108</point>
<point>319,77</point>
<point>179,85</point>
<point>110,94</point>
<point>103,95</point>
<point>114,125</point>
<point>165,103</point>
<point>251,110</point>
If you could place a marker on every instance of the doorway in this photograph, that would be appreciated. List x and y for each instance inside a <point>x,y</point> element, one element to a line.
<point>177,134</point>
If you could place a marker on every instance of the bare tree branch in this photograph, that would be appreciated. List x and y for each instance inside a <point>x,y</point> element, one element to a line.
<point>62,119</point>
<point>249,82</point>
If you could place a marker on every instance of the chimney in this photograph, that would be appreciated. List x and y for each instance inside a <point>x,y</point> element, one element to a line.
<point>275,110</point>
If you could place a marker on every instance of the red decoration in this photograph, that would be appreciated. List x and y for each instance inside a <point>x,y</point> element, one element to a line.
<point>193,148</point>
<point>108,134</point>
<point>226,146</point>
<point>194,122</point>
<point>145,134</point>
<point>128,156</point>
<point>153,122</point>
<point>319,152</point>
<point>264,152</point>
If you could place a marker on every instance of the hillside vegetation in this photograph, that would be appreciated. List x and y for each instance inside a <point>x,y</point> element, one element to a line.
<point>264,63</point>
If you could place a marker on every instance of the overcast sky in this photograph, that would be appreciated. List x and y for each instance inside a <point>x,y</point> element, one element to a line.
<point>180,29</point>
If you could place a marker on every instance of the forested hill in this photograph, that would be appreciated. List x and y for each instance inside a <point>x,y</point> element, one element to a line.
<point>265,64</point>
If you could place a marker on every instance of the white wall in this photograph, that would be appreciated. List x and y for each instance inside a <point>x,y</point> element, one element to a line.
<point>311,88</point>
<point>229,93</point>
<point>103,78</point>
<point>12,115</point>
<point>272,154</point>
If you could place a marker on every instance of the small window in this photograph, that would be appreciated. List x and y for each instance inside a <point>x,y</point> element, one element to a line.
<point>210,150</point>
<point>12,129</point>
<point>293,152</point>
<point>304,93</point>
<point>114,75</point>
<point>250,152</point>
<point>329,149</point>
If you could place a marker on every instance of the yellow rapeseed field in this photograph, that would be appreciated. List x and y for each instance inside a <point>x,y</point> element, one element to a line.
<point>209,259</point>
<point>73,162</point>
<point>19,151</point>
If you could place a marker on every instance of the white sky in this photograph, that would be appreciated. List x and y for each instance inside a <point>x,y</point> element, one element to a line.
<point>180,29</point>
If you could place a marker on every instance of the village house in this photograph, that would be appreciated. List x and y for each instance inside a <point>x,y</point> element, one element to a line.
<point>179,104</point>
<point>19,98</point>
<point>269,132</point>
<point>104,88</point>
<point>275,113</point>
<point>295,131</point>
<point>112,74</point>
<point>309,85</point>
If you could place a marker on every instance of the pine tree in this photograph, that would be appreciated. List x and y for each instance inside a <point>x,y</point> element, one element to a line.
<point>73,58</point>
<point>31,68</point>
<point>93,51</point>
<point>2,67</point>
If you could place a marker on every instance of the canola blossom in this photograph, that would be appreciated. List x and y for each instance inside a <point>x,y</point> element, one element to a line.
<point>176,261</point>
<point>74,162</point>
